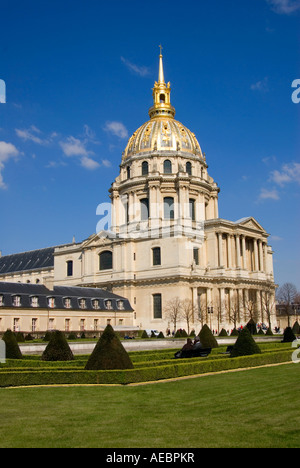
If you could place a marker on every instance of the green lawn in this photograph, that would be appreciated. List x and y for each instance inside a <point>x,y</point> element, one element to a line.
<point>254,408</point>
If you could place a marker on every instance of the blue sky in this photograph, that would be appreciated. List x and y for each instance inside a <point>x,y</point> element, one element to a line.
<point>78,78</point>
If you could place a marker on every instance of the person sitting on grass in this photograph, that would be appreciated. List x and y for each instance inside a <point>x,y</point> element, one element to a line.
<point>188,346</point>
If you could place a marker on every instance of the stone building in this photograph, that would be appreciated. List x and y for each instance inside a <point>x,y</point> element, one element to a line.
<point>166,239</point>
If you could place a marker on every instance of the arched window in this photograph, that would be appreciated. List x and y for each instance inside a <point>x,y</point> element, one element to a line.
<point>144,209</point>
<point>106,260</point>
<point>128,172</point>
<point>70,268</point>
<point>145,168</point>
<point>169,208</point>
<point>188,168</point>
<point>162,98</point>
<point>167,167</point>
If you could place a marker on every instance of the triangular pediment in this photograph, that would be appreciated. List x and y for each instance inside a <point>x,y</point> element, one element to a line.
<point>98,240</point>
<point>250,223</point>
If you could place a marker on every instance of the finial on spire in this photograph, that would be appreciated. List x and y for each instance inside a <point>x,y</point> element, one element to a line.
<point>161,48</point>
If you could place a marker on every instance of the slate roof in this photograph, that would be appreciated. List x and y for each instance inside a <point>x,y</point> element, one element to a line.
<point>59,293</point>
<point>33,260</point>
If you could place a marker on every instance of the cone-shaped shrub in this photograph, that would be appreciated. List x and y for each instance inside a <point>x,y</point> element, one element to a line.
<point>269,332</point>
<point>58,348</point>
<point>144,334</point>
<point>234,332</point>
<point>207,339</point>
<point>251,325</point>
<point>245,345</point>
<point>288,335</point>
<point>109,353</point>
<point>161,335</point>
<point>296,328</point>
<point>12,348</point>
<point>223,332</point>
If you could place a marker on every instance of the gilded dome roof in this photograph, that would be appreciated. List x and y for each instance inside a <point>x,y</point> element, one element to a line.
<point>162,134</point>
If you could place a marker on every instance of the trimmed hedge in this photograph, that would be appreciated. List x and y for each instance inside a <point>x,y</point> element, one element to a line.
<point>151,373</point>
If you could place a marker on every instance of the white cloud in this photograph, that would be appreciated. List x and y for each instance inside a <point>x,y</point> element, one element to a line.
<point>284,7</point>
<point>261,86</point>
<point>31,134</point>
<point>74,147</point>
<point>89,163</point>
<point>138,70</point>
<point>289,173</point>
<point>7,152</point>
<point>266,194</point>
<point>106,163</point>
<point>116,128</point>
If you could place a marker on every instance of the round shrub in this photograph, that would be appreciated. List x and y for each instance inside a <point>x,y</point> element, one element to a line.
<point>12,348</point>
<point>245,345</point>
<point>109,353</point>
<point>57,348</point>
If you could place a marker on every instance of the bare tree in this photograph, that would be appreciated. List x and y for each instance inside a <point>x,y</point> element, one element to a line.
<point>268,303</point>
<point>188,312</point>
<point>173,311</point>
<point>286,296</point>
<point>234,312</point>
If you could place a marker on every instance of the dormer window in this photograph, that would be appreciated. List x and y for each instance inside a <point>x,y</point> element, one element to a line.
<point>121,305</point>
<point>96,304</point>
<point>108,305</point>
<point>51,302</point>
<point>67,303</point>
<point>34,301</point>
<point>16,301</point>
<point>82,303</point>
<point>1,300</point>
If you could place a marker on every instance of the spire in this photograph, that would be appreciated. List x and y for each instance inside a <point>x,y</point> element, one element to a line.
<point>161,95</point>
<point>161,78</point>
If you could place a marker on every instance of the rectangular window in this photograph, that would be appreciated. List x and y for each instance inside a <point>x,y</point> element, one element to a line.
<point>16,324</point>
<point>95,324</point>
<point>157,309</point>
<point>144,209</point>
<point>82,324</point>
<point>67,325</point>
<point>169,208</point>
<point>192,209</point>
<point>33,324</point>
<point>156,256</point>
<point>196,255</point>
<point>51,324</point>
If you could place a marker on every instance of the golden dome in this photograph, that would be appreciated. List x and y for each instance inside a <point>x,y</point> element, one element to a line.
<point>162,132</point>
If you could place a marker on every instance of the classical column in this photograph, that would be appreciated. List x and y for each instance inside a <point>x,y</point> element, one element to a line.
<point>244,253</point>
<point>220,248</point>
<point>229,242</point>
<point>256,265</point>
<point>238,251</point>
<point>261,257</point>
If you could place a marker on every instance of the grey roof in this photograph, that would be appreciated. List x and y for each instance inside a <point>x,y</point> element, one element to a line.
<point>59,293</point>
<point>33,260</point>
